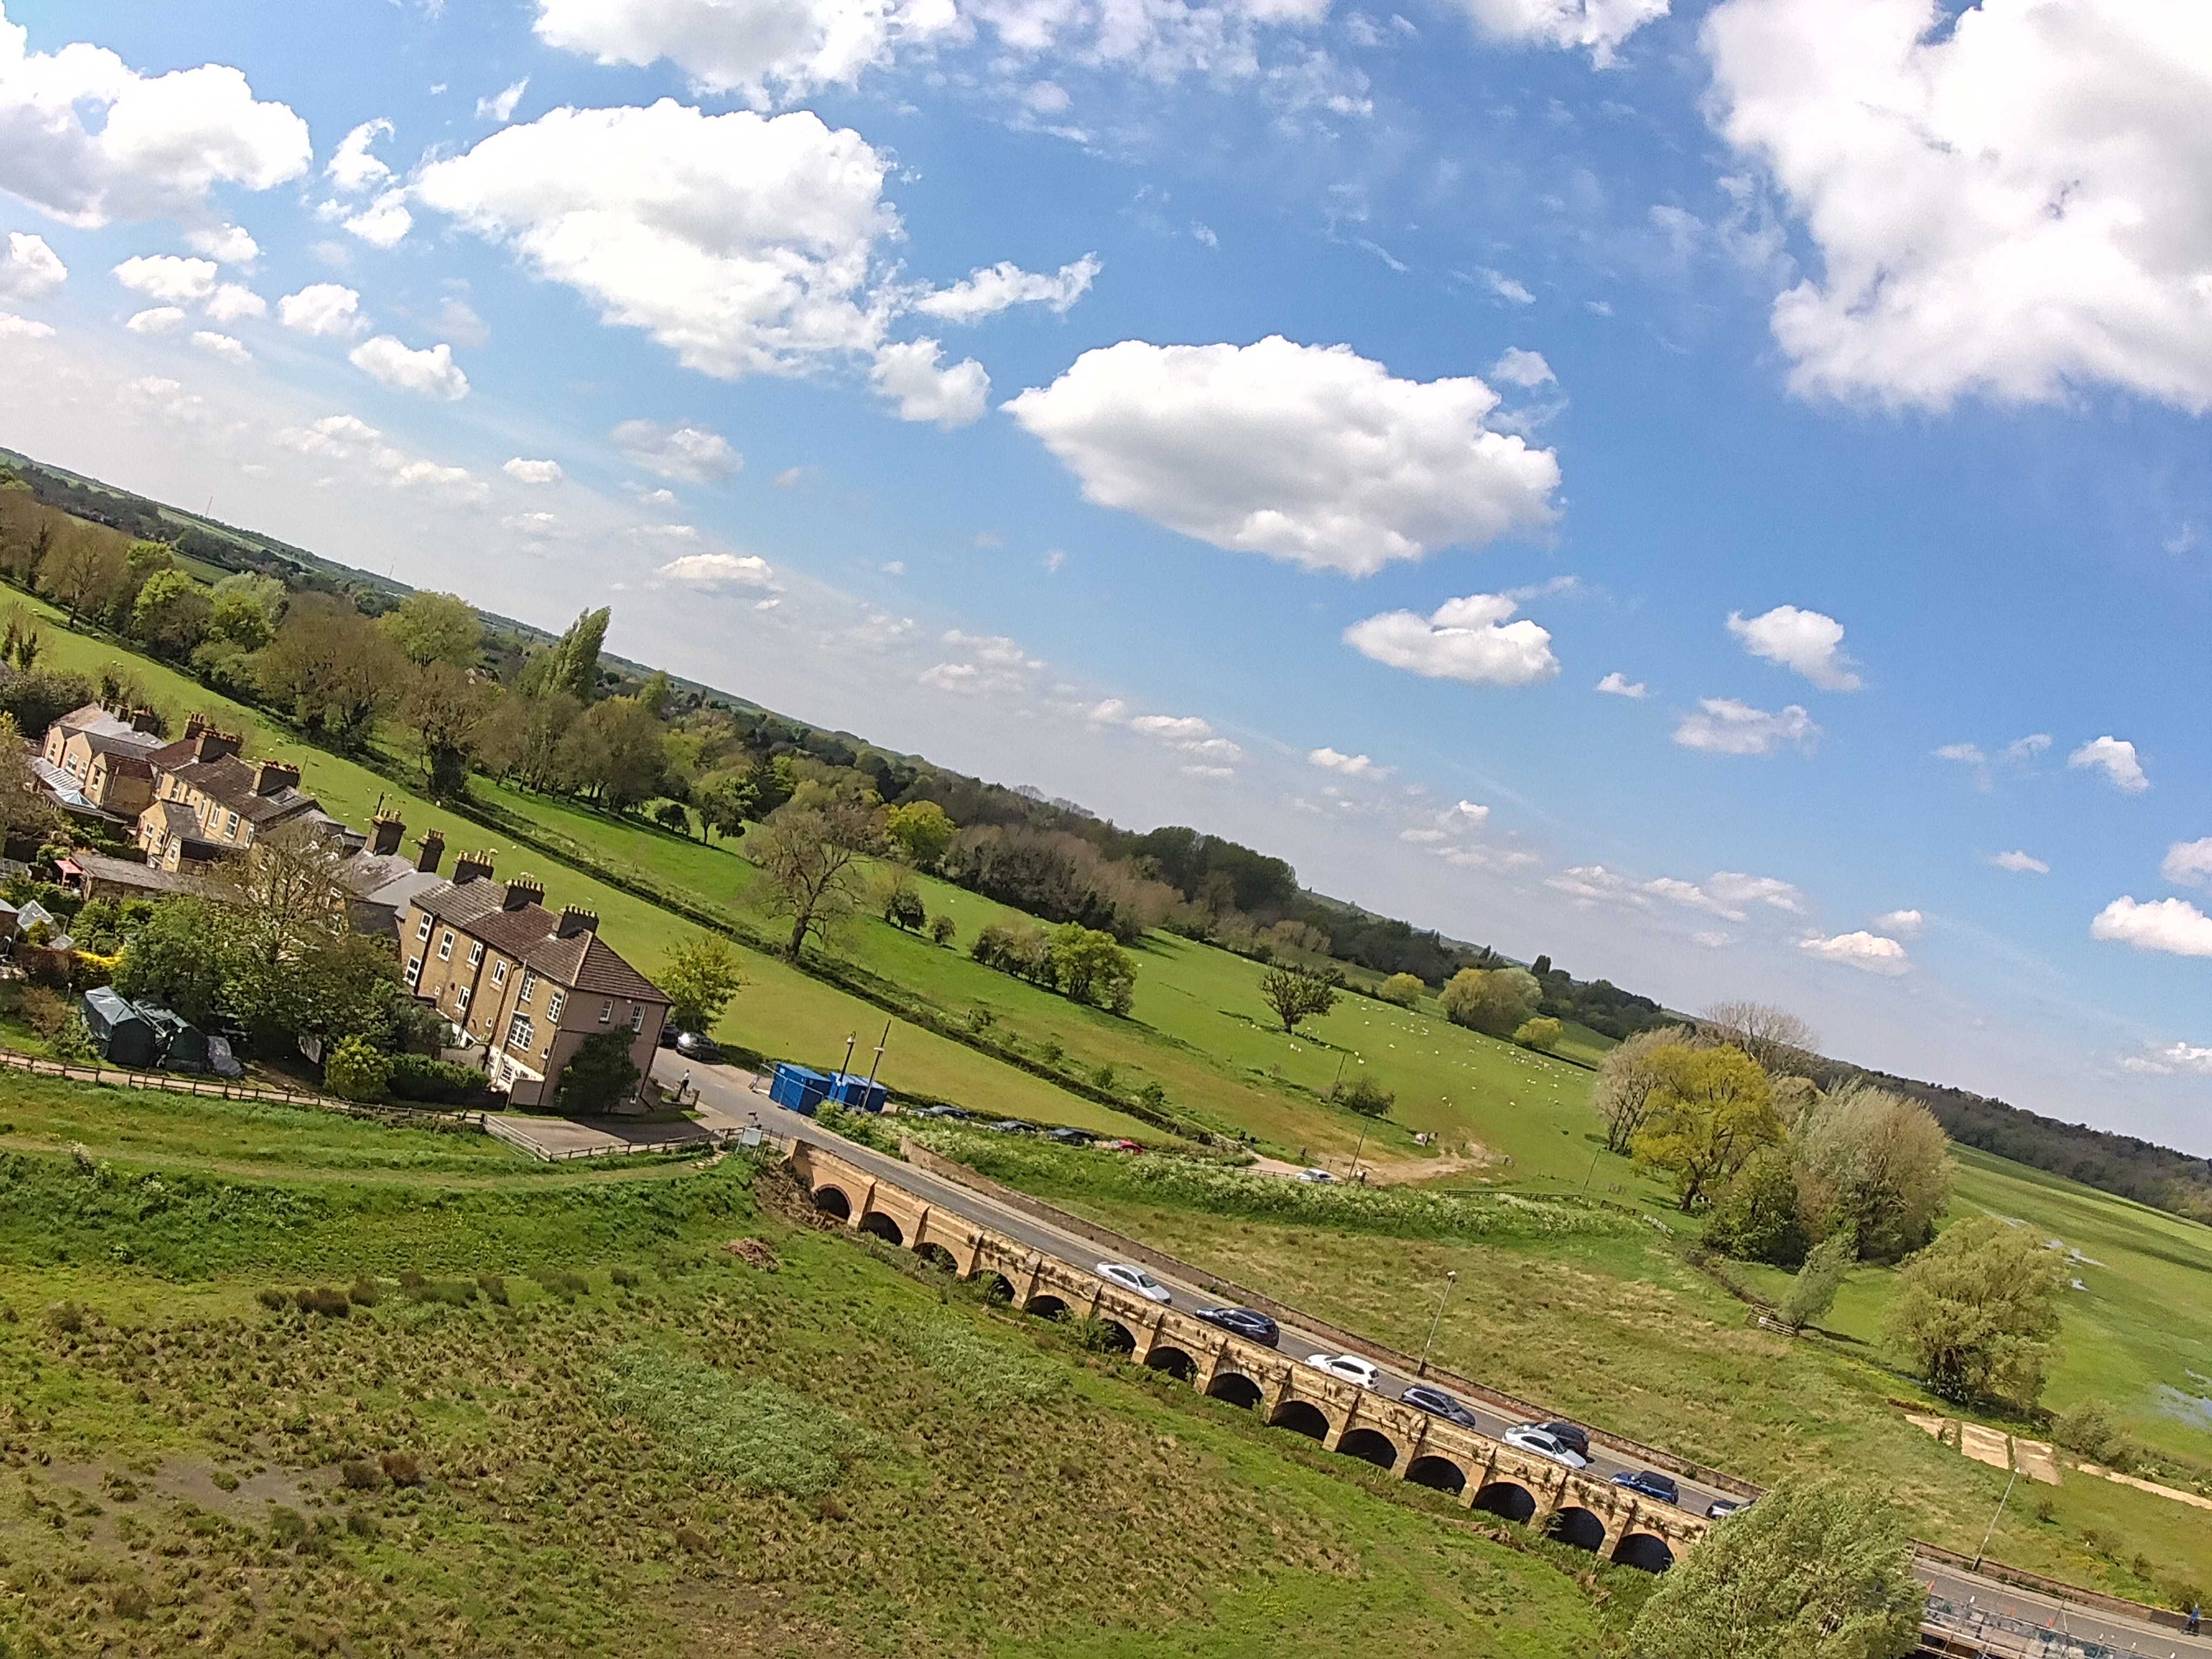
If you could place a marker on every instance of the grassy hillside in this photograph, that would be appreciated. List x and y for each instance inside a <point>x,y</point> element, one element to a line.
<point>619,1438</point>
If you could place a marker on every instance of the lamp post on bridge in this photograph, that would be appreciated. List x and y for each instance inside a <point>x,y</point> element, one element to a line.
<point>1450,1279</point>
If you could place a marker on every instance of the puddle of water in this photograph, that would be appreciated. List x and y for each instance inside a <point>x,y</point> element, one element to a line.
<point>2195,1410</point>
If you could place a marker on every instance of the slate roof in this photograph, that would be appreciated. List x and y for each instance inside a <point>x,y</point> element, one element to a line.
<point>229,782</point>
<point>588,962</point>
<point>125,873</point>
<point>531,934</point>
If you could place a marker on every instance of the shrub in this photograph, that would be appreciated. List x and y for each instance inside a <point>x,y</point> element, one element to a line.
<point>1541,1033</point>
<point>1365,1096</point>
<point>599,1073</point>
<point>131,1601</point>
<point>66,1317</point>
<point>361,1474</point>
<point>400,1468</point>
<point>324,1299</point>
<point>625,1278</point>
<point>1404,989</point>
<point>356,1070</point>
<point>494,1290</point>
<point>1496,1002</point>
<point>274,1299</point>
<point>565,1284</point>
<point>418,1077</point>
<point>44,1010</point>
<point>902,906</point>
<point>1813,1292</point>
<point>2088,1427</point>
<point>73,1040</point>
<point>366,1292</point>
<point>942,930</point>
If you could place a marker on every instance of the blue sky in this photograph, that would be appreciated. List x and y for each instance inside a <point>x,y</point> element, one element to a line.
<point>1279,416</point>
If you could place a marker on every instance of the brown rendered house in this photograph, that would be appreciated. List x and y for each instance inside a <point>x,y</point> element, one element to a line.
<point>527,983</point>
<point>101,759</point>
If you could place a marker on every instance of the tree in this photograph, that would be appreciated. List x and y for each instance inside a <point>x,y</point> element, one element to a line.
<point>1086,961</point>
<point>1404,989</point>
<point>524,738</point>
<point>434,628</point>
<point>700,975</point>
<point>36,699</point>
<point>331,669</point>
<point>571,665</point>
<point>725,800</point>
<point>808,858</point>
<point>23,810</point>
<point>447,714</point>
<point>176,959</point>
<point>1365,1096</point>
<point>84,569</point>
<point>612,754</point>
<point>1710,1110</point>
<point>942,930</point>
<point>1976,1314</point>
<point>1496,1000</point>
<point>1755,1219</point>
<point>234,593</point>
<point>355,1070</point>
<point>1296,995</point>
<point>1813,1292</point>
<point>1781,1042</point>
<point>599,1073</point>
<point>1885,1164</point>
<point>1542,1033</point>
<point>921,832</point>
<point>1814,1569</point>
<point>902,905</point>
<point>171,614</point>
<point>279,907</point>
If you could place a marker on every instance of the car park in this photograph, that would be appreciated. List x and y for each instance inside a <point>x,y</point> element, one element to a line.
<point>1572,1435</point>
<point>1721,1508</point>
<point>1437,1403</point>
<point>1650,1483</point>
<point>1531,1438</point>
<point>1315,1177</point>
<point>1344,1367</point>
<point>698,1045</point>
<point>1247,1322</point>
<point>1131,1277</point>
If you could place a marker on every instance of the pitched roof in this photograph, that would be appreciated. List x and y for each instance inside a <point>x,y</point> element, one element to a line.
<point>532,934</point>
<point>121,763</point>
<point>588,963</point>
<point>134,743</point>
<point>124,872</point>
<point>229,781</point>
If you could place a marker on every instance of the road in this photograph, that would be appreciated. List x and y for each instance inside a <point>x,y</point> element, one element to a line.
<point>2013,1621</point>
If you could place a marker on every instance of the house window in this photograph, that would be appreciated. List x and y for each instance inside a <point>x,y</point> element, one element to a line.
<point>461,1001</point>
<point>231,828</point>
<point>446,946</point>
<point>607,1013</point>
<point>555,1004</point>
<point>476,954</point>
<point>518,1033</point>
<point>636,1017</point>
<point>423,932</point>
<point>499,971</point>
<point>414,971</point>
<point>529,984</point>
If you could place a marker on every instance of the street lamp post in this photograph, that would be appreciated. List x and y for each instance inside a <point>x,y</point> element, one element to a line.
<point>1994,1519</point>
<point>1450,1279</point>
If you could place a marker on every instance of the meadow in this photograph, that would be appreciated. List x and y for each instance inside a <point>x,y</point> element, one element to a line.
<point>562,1420</point>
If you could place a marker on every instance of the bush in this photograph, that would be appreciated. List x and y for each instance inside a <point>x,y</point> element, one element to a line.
<point>274,1299</point>
<point>2087,1426</point>
<point>419,1078</point>
<point>366,1292</point>
<point>400,1468</point>
<point>66,1317</point>
<point>1365,1096</point>
<point>1404,989</point>
<point>565,1284</point>
<point>599,1073</point>
<point>942,930</point>
<point>44,1010</point>
<point>1813,1292</point>
<point>902,906</point>
<point>326,1299</point>
<point>494,1290</point>
<point>1541,1033</point>
<point>361,1474</point>
<point>624,1277</point>
<point>356,1070</point>
<point>73,1040</point>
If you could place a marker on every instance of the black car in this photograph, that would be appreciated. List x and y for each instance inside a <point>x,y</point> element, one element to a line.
<point>1650,1483</point>
<point>1014,1125</point>
<point>1067,1137</point>
<point>1244,1322</point>
<point>698,1045</point>
<point>947,1114</point>
<point>669,1033</point>
<point>1576,1440</point>
<point>1437,1403</point>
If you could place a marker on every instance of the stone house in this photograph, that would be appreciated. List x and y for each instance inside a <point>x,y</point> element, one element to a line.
<point>95,758</point>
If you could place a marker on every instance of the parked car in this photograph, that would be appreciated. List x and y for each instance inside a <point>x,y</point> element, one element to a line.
<point>1132,1278</point>
<point>1124,1146</point>
<point>668,1035</point>
<point>1721,1508</point>
<point>221,1060</point>
<point>1253,1326</point>
<point>1067,1137</point>
<point>1437,1403</point>
<point>698,1045</point>
<point>1315,1177</point>
<point>1013,1126</point>
<point>1572,1435</point>
<point>1650,1483</point>
<point>1344,1367</point>
<point>1530,1438</point>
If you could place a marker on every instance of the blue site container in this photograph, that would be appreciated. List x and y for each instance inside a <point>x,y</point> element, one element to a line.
<point>799,1088</point>
<point>857,1094</point>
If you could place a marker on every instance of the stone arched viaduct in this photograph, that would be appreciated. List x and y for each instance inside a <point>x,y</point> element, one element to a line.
<point>1482,1472</point>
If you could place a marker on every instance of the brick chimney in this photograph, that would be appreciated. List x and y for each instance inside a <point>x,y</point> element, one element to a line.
<point>472,867</point>
<point>145,720</point>
<point>269,776</point>
<point>211,745</point>
<point>384,834</point>
<point>433,849</point>
<point>194,726</point>
<point>524,889</point>
<point>574,921</point>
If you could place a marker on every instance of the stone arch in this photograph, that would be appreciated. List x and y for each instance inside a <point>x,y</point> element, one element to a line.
<point>1116,1337</point>
<point>1577,1526</point>
<point>1369,1446</point>
<point>1300,1417</point>
<point>1441,1473</point>
<point>831,1200</point>
<point>996,1287</point>
<point>1236,1389</point>
<point>1509,1498</point>
<point>1174,1361</point>
<point>1646,1550</point>
<point>882,1226</point>
<point>1046,1307</point>
<point>937,1256</point>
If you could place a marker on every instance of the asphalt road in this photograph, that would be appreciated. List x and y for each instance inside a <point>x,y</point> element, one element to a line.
<point>2013,1620</point>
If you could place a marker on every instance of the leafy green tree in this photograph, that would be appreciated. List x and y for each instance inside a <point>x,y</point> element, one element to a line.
<point>942,930</point>
<point>447,714</point>
<point>1755,1217</point>
<point>171,614</point>
<point>1976,1314</point>
<point>571,664</point>
<point>36,699</point>
<point>331,670</point>
<point>809,860</point>
<point>921,832</point>
<point>1296,995</point>
<point>355,1069</point>
<point>1495,1001</point>
<point>1813,1292</point>
<point>23,810</point>
<point>725,800</point>
<point>176,960</point>
<point>1404,989</point>
<point>1711,1109</point>
<point>1884,1164</point>
<point>264,594</point>
<point>429,627</point>
<point>1542,1033</point>
<point>598,1075</point>
<point>1627,1083</point>
<point>701,975</point>
<point>902,905</point>
<point>1086,961</point>
<point>1365,1096</point>
<point>1814,1569</point>
<point>84,568</point>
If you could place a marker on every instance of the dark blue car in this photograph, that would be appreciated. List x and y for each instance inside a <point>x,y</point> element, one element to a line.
<point>1650,1483</point>
<point>1437,1403</point>
<point>1244,1322</point>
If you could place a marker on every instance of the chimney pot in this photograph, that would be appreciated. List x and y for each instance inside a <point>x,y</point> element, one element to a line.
<point>524,890</point>
<point>574,920</point>
<point>270,776</point>
<point>472,866</point>
<point>385,833</point>
<point>433,849</point>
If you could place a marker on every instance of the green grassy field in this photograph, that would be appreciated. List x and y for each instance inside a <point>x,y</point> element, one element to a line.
<point>624,1440</point>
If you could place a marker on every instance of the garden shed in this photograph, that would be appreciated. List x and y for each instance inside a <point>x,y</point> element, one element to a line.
<point>122,1034</point>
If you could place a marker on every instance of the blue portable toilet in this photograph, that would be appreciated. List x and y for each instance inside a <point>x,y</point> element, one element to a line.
<point>799,1088</point>
<point>857,1094</point>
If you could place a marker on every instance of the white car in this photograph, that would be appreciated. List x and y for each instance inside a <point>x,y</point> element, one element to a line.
<point>1134,1278</point>
<point>1530,1438</point>
<point>1315,1177</point>
<point>1344,1367</point>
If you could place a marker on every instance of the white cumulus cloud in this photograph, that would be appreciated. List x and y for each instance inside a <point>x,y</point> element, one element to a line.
<point>228,346</point>
<point>384,222</point>
<point>23,328</point>
<point>155,319</point>
<point>233,300</point>
<point>1804,641</point>
<point>1353,766</point>
<point>154,146</point>
<point>2007,199</point>
<point>760,48</point>
<point>1908,924</point>
<point>2189,863</point>
<point>988,292</point>
<point>1527,369</point>
<point>1599,26</point>
<point>1869,952</point>
<point>1722,726</point>
<point>430,373</point>
<point>454,482</point>
<point>2172,925</point>
<point>912,374</point>
<point>720,570</point>
<point>231,245</point>
<point>168,279</point>
<point>354,168</point>
<point>1467,639</point>
<point>2021,864</point>
<point>29,269</point>
<point>2116,759</point>
<point>499,106</point>
<point>534,472</point>
<point>1617,684</point>
<point>687,452</point>
<point>322,309</point>
<point>1309,454</point>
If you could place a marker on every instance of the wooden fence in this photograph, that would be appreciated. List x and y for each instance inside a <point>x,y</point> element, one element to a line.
<point>217,1088</point>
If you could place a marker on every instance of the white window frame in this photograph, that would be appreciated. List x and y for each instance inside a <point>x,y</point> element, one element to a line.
<point>636,1018</point>
<point>461,1000</point>
<point>422,932</point>
<point>413,972</point>
<point>499,971</point>
<point>232,829</point>
<point>520,1034</point>
<point>555,1004</point>
<point>607,1012</point>
<point>446,946</point>
<point>529,986</point>
<point>476,953</point>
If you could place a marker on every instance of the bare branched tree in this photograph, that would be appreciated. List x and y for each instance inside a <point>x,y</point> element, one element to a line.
<point>1782,1044</point>
<point>808,858</point>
